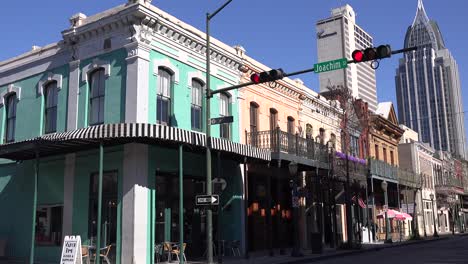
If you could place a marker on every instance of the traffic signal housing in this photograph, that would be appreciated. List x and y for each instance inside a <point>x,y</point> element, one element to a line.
<point>371,54</point>
<point>267,76</point>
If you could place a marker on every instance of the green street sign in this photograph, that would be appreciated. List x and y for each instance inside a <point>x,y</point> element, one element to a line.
<point>330,65</point>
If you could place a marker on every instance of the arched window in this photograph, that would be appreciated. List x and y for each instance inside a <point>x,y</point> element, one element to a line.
<point>50,111</point>
<point>163,104</point>
<point>196,109</point>
<point>273,119</point>
<point>224,131</point>
<point>96,101</point>
<point>309,131</point>
<point>253,117</point>
<point>10,118</point>
<point>291,129</point>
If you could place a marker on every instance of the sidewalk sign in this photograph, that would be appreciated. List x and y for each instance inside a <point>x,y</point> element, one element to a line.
<point>71,252</point>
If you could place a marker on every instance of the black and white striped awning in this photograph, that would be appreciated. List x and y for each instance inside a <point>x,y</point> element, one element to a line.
<point>115,134</point>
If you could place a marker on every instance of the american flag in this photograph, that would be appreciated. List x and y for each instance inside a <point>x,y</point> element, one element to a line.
<point>361,203</point>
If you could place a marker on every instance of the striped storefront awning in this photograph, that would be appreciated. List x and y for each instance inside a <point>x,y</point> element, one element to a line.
<point>115,134</point>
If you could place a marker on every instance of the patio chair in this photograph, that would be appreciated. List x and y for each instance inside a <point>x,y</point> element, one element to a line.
<point>176,251</point>
<point>85,254</point>
<point>166,250</point>
<point>235,247</point>
<point>158,251</point>
<point>104,253</point>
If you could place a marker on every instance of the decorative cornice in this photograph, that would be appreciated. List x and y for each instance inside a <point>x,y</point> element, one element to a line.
<point>10,89</point>
<point>50,77</point>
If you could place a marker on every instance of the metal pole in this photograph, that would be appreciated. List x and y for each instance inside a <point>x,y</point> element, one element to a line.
<point>367,208</point>
<point>33,231</point>
<point>181,204</point>
<point>373,208</point>
<point>246,206</point>
<point>220,211</point>
<point>349,224</point>
<point>433,219</point>
<point>101,166</point>
<point>423,213</point>
<point>209,212</point>
<point>387,223</point>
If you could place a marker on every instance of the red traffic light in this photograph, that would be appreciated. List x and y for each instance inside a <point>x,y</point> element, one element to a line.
<point>267,76</point>
<point>255,78</point>
<point>358,55</point>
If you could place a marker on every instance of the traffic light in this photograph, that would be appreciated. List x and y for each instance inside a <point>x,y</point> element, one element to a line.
<point>371,54</point>
<point>267,76</point>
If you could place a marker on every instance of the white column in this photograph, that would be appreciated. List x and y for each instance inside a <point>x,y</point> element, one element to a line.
<point>73,88</point>
<point>137,85</point>
<point>68,187</point>
<point>135,203</point>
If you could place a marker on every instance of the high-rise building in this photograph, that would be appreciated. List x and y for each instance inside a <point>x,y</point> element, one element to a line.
<point>428,88</point>
<point>337,37</point>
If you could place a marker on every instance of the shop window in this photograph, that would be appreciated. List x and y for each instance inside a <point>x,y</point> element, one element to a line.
<point>49,225</point>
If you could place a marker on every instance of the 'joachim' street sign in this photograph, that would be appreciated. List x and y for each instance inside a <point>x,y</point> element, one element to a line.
<point>222,120</point>
<point>207,199</point>
<point>330,65</point>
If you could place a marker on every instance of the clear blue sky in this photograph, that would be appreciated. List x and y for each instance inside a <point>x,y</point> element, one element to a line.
<point>277,33</point>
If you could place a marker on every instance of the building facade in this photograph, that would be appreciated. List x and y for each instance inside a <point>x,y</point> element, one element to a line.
<point>337,37</point>
<point>119,97</point>
<point>428,88</point>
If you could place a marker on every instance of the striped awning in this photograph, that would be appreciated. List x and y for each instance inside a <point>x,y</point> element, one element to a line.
<point>115,134</point>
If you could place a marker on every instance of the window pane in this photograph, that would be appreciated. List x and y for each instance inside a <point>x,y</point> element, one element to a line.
<point>11,109</point>
<point>94,111</point>
<point>97,97</point>
<point>11,129</point>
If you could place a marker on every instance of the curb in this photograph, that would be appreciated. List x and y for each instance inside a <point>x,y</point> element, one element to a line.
<point>361,251</point>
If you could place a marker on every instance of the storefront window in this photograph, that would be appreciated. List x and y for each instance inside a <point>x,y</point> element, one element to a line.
<point>49,225</point>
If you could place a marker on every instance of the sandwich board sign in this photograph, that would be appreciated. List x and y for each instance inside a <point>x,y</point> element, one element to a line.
<point>71,251</point>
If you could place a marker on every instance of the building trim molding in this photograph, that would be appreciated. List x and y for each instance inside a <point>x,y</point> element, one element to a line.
<point>48,79</point>
<point>96,64</point>
<point>10,89</point>
<point>165,63</point>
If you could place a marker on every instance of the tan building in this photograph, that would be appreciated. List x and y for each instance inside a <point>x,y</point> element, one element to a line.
<point>385,134</point>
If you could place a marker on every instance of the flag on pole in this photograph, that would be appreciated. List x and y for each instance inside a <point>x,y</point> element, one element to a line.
<point>361,203</point>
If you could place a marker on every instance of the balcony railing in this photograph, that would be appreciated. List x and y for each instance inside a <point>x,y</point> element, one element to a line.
<point>383,169</point>
<point>282,142</point>
<point>409,178</point>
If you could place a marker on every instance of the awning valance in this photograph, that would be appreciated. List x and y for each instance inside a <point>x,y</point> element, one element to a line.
<point>116,134</point>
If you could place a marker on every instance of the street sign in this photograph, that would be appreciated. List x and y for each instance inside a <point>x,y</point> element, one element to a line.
<point>222,120</point>
<point>330,65</point>
<point>207,199</point>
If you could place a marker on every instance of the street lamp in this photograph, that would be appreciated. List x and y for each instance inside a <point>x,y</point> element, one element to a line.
<point>384,186</point>
<point>433,215</point>
<point>209,212</point>
<point>293,184</point>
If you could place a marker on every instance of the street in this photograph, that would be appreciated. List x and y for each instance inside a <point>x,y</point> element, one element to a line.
<point>452,250</point>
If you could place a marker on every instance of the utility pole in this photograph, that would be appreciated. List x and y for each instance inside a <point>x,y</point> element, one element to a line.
<point>209,212</point>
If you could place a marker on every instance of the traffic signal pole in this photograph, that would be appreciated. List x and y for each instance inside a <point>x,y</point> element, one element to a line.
<point>209,94</point>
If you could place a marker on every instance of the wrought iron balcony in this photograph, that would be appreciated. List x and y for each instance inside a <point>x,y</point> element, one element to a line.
<point>409,178</point>
<point>384,170</point>
<point>278,141</point>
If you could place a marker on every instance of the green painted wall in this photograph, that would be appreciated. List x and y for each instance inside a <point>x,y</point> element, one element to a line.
<point>114,102</point>
<point>181,97</point>
<point>16,197</point>
<point>30,109</point>
<point>86,164</point>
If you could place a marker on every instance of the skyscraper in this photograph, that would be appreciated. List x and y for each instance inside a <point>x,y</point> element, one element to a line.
<point>428,87</point>
<point>337,37</point>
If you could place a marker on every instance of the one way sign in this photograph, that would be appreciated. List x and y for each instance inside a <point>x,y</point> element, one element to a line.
<point>207,200</point>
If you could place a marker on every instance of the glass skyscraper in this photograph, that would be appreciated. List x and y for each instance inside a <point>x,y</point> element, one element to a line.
<point>428,88</point>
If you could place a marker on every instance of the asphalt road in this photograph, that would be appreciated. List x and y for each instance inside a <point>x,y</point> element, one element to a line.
<point>448,251</point>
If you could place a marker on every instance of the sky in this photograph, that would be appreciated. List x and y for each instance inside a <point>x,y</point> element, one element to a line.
<point>280,34</point>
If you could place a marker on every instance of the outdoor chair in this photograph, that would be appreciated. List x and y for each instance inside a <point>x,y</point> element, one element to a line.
<point>85,254</point>
<point>235,247</point>
<point>158,250</point>
<point>104,253</point>
<point>176,251</point>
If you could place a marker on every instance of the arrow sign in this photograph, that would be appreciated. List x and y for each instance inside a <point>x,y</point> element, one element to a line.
<point>222,120</point>
<point>207,199</point>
